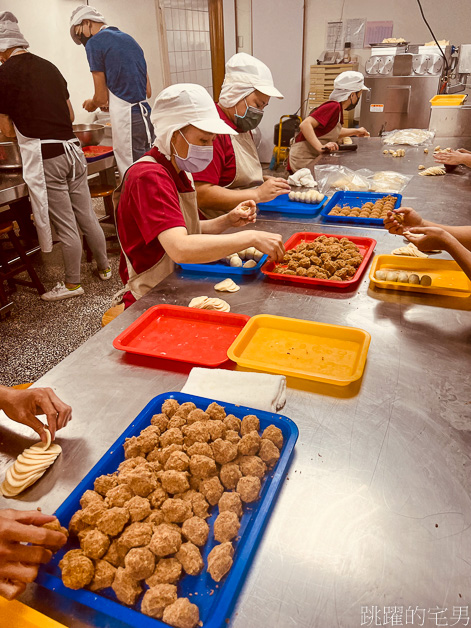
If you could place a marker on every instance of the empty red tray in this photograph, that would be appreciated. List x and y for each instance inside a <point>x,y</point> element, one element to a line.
<point>366,246</point>
<point>183,334</point>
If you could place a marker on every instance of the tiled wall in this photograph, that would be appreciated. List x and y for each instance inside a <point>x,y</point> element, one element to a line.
<point>189,51</point>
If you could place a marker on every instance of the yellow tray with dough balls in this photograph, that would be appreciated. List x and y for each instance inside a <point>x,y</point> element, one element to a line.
<point>331,354</point>
<point>447,277</point>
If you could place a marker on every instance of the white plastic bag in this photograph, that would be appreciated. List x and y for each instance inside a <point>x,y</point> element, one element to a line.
<point>333,178</point>
<point>412,137</point>
<point>388,181</point>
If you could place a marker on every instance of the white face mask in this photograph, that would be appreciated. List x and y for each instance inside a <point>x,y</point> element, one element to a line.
<point>198,158</point>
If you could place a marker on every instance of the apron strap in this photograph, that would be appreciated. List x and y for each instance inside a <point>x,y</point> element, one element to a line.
<point>145,117</point>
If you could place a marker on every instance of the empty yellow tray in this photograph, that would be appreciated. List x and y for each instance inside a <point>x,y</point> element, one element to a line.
<point>17,615</point>
<point>317,351</point>
<point>448,100</point>
<point>447,277</point>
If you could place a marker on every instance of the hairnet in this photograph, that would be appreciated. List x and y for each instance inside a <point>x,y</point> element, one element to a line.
<point>83,12</point>
<point>10,34</point>
<point>245,74</point>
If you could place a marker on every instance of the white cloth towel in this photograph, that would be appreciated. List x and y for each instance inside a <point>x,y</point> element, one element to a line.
<point>255,390</point>
<point>302,177</point>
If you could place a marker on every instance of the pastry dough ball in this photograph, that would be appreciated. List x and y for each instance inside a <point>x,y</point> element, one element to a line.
<point>220,561</point>
<point>391,276</point>
<point>426,280</point>
<point>157,497</point>
<point>298,196</point>
<point>235,261</point>
<point>217,429</point>
<point>403,277</point>
<point>249,444</point>
<point>257,255</point>
<point>169,407</point>
<point>230,474</point>
<point>176,421</point>
<point>202,449</point>
<point>233,437</point>
<point>185,409</point>
<point>190,558</point>
<point>90,497</point>
<point>268,452</point>
<point>414,279</point>
<point>202,466</point>
<point>116,554</point>
<point>381,275</point>
<point>93,512</point>
<point>160,421</point>
<point>197,433</point>
<point>182,614</point>
<point>136,535</point>
<point>231,502</point>
<point>250,252</point>
<point>174,481</point>
<point>212,490</point>
<point>250,423</point>
<point>171,437</point>
<point>104,483</point>
<point>138,508</point>
<point>197,415</point>
<point>216,412</point>
<point>250,264</point>
<point>223,451</point>
<point>292,196</point>
<point>166,452</point>
<point>155,518</point>
<point>198,503</point>
<point>196,530</point>
<point>166,540</point>
<point>274,434</point>
<point>104,576</point>
<point>226,526</point>
<point>126,588</point>
<point>132,447</point>
<point>176,510</point>
<point>157,598</point>
<point>141,480</point>
<point>94,544</point>
<point>129,465</point>
<point>140,563</point>
<point>252,465</point>
<point>167,571</point>
<point>248,488</point>
<point>177,461</point>
<point>77,569</point>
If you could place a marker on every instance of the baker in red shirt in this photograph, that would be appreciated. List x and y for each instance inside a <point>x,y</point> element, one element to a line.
<point>235,173</point>
<point>323,127</point>
<point>157,211</point>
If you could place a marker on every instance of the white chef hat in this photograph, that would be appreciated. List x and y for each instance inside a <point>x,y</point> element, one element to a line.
<point>83,12</point>
<point>346,83</point>
<point>245,74</point>
<point>179,105</point>
<point>10,34</point>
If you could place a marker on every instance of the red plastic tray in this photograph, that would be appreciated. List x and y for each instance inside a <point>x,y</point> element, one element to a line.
<point>366,246</point>
<point>93,153</point>
<point>183,334</point>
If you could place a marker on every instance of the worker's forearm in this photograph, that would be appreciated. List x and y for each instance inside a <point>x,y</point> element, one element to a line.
<point>6,126</point>
<point>347,132</point>
<point>311,137</point>
<point>100,100</point>
<point>462,234</point>
<point>211,196</point>
<point>460,254</point>
<point>216,225</point>
<point>204,248</point>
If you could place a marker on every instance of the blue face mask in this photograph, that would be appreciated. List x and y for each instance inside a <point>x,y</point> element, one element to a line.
<point>250,120</point>
<point>198,158</point>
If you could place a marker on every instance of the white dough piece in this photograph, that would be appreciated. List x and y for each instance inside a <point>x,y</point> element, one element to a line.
<point>250,252</point>
<point>235,262</point>
<point>380,275</point>
<point>29,467</point>
<point>403,277</point>
<point>433,171</point>
<point>242,254</point>
<point>391,276</point>
<point>258,255</point>
<point>197,302</point>
<point>227,286</point>
<point>250,263</point>
<point>206,303</point>
<point>411,250</point>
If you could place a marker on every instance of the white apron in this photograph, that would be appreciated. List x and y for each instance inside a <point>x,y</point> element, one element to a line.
<point>33,175</point>
<point>140,284</point>
<point>249,173</point>
<point>302,154</point>
<point>121,128</point>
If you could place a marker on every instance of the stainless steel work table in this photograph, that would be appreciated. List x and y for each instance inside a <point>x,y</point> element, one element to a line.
<point>376,508</point>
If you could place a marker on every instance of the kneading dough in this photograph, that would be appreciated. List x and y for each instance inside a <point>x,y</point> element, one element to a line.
<point>29,467</point>
<point>227,286</point>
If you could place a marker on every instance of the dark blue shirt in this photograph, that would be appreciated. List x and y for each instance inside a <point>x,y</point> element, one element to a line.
<point>122,60</point>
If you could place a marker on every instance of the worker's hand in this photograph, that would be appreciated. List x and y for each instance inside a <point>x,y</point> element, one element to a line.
<point>330,146</point>
<point>19,563</point>
<point>271,188</point>
<point>463,150</point>
<point>105,108</point>
<point>362,132</point>
<point>89,105</point>
<point>429,238</point>
<point>269,243</point>
<point>243,214</point>
<point>401,220</point>
<point>454,158</point>
<point>22,406</point>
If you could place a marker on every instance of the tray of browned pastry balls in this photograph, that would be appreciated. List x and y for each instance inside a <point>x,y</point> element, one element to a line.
<point>360,208</point>
<point>163,529</point>
<point>322,260</point>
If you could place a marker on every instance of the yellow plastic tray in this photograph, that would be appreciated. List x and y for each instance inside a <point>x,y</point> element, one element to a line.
<point>325,353</point>
<point>17,615</point>
<point>447,277</point>
<point>448,100</point>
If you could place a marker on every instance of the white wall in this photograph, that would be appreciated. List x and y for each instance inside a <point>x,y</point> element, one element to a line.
<point>448,19</point>
<point>45,25</point>
<point>229,17</point>
<point>244,24</point>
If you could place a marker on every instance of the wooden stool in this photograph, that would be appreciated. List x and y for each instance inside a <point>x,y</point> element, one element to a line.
<point>9,272</point>
<point>104,191</point>
<point>111,314</point>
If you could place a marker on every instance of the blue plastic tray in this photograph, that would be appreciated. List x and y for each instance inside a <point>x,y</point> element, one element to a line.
<point>218,268</point>
<point>283,205</point>
<point>215,608</point>
<point>355,199</point>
